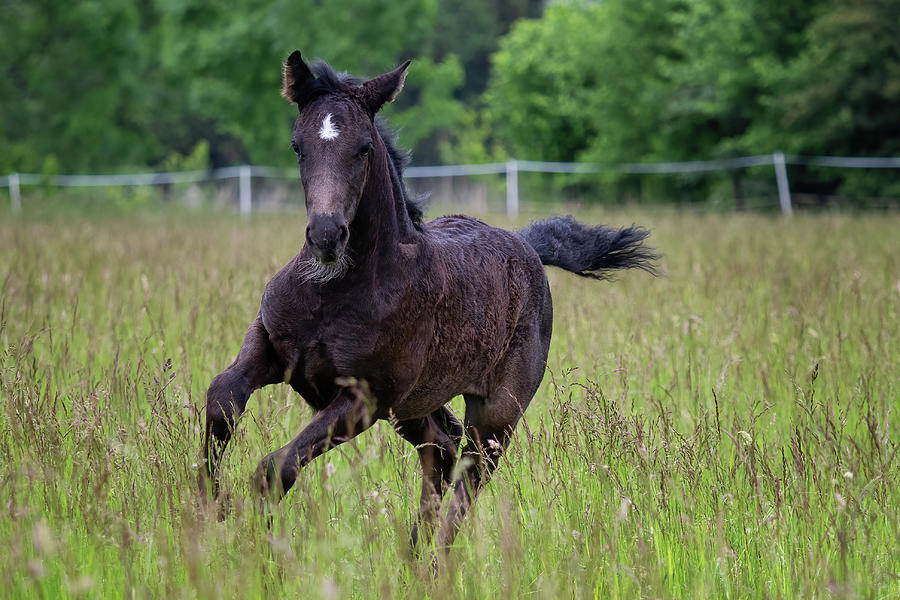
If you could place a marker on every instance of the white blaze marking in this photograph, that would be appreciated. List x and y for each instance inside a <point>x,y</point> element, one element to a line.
<point>328,131</point>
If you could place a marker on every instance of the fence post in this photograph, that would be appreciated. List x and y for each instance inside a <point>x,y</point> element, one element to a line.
<point>512,189</point>
<point>244,178</point>
<point>784,188</point>
<point>15,194</point>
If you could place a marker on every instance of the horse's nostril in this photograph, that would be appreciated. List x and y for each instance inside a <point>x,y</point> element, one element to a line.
<point>345,234</point>
<point>308,239</point>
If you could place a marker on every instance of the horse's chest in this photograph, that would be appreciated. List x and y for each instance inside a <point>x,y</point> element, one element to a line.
<point>333,350</point>
<point>379,336</point>
<point>319,347</point>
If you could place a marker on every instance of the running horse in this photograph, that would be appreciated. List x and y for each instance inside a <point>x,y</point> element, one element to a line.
<point>383,316</point>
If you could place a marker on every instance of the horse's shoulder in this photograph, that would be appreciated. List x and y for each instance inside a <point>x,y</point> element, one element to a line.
<point>284,299</point>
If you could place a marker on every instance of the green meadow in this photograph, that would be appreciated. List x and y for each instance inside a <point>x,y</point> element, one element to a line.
<point>727,430</point>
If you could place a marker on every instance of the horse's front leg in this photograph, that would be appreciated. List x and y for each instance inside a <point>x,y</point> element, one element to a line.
<point>256,366</point>
<point>348,414</point>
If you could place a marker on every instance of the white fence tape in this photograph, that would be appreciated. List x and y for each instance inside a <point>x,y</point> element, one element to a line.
<point>511,168</point>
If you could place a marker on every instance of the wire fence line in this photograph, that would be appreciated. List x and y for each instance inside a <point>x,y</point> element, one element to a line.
<point>510,169</point>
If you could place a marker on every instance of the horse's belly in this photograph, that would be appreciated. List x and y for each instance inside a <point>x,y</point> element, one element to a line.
<point>423,401</point>
<point>445,373</point>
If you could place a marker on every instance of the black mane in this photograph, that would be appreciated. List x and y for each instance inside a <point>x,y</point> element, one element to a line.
<point>329,81</point>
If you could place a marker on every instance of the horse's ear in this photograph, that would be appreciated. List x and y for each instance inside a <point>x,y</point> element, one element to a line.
<point>296,75</point>
<point>384,88</point>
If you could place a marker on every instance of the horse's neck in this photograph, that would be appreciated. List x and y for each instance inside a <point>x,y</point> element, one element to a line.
<point>382,222</point>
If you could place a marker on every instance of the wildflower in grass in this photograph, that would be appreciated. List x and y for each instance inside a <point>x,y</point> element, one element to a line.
<point>42,538</point>
<point>329,588</point>
<point>36,569</point>
<point>746,439</point>
<point>623,508</point>
<point>330,469</point>
<point>81,585</point>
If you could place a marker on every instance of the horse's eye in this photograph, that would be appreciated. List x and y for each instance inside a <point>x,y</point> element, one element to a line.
<point>365,149</point>
<point>295,148</point>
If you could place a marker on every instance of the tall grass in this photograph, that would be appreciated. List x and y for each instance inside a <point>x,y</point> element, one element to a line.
<point>727,430</point>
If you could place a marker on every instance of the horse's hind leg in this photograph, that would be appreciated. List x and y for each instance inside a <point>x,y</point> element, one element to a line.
<point>490,420</point>
<point>254,367</point>
<point>486,439</point>
<point>436,438</point>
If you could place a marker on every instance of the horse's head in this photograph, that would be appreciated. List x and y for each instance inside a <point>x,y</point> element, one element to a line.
<point>334,136</point>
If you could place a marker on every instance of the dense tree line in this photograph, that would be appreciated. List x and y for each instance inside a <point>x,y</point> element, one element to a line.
<point>95,86</point>
<point>683,80</point>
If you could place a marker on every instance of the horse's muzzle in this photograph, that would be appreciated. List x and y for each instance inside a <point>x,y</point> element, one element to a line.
<point>327,237</point>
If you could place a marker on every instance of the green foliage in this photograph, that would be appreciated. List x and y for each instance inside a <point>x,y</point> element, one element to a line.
<point>471,29</point>
<point>619,81</point>
<point>533,98</point>
<point>105,86</point>
<point>426,111</point>
<point>196,160</point>
<point>576,84</point>
<point>101,86</point>
<point>230,59</point>
<point>74,86</point>
<point>836,92</point>
<point>839,94</point>
<point>715,73</point>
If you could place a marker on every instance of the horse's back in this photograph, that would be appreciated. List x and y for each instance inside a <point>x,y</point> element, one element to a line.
<point>485,259</point>
<point>466,238</point>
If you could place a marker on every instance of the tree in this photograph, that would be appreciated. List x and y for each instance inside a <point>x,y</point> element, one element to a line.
<point>687,79</point>
<point>100,86</point>
<point>231,61</point>
<point>543,74</point>
<point>470,30</point>
<point>426,114</point>
<point>839,95</point>
<point>73,86</point>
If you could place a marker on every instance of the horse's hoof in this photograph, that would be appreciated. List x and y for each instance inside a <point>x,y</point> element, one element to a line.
<point>273,478</point>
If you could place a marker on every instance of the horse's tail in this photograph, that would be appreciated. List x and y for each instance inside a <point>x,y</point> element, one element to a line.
<point>589,251</point>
